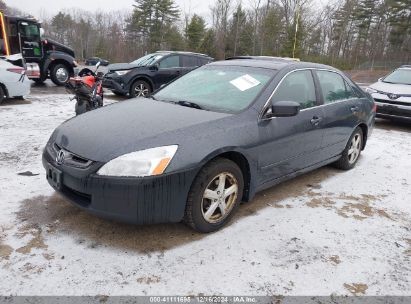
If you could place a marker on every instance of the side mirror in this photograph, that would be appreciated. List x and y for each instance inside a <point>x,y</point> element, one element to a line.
<point>380,79</point>
<point>154,67</point>
<point>284,109</point>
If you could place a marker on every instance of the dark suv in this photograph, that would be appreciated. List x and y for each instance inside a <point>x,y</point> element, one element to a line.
<point>150,72</point>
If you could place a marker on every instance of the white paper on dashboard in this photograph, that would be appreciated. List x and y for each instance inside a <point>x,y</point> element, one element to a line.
<point>245,82</point>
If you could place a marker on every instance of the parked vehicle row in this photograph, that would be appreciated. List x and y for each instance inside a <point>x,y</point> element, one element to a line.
<point>45,58</point>
<point>208,140</point>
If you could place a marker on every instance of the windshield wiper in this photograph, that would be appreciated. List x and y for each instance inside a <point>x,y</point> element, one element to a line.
<point>189,104</point>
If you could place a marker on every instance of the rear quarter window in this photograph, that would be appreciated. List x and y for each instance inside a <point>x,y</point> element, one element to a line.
<point>333,87</point>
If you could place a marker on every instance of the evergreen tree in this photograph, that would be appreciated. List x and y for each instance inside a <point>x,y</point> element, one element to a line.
<point>195,32</point>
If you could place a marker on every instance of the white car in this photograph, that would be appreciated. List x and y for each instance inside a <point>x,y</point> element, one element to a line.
<point>13,79</point>
<point>392,94</point>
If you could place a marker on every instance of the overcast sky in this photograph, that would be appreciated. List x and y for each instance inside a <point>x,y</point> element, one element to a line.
<point>38,7</point>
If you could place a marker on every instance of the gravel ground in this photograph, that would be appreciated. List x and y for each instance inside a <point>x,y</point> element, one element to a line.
<point>326,232</point>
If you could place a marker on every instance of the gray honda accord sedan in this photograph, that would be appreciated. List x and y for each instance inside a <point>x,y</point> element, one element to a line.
<point>207,141</point>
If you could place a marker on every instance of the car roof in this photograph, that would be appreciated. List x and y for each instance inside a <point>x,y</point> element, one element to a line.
<point>185,53</point>
<point>273,63</point>
<point>268,58</point>
<point>23,19</point>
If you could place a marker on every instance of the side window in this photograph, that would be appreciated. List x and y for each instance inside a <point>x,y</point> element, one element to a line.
<point>333,87</point>
<point>204,61</point>
<point>297,86</point>
<point>170,62</point>
<point>349,91</point>
<point>189,61</point>
<point>353,92</point>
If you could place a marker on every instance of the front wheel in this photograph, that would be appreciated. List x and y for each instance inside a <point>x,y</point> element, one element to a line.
<point>214,196</point>
<point>59,74</point>
<point>352,151</point>
<point>140,88</point>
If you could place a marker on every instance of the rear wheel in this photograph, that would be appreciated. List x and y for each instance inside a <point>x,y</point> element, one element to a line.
<point>82,106</point>
<point>140,88</point>
<point>39,81</point>
<point>352,151</point>
<point>214,196</point>
<point>59,74</point>
<point>2,94</point>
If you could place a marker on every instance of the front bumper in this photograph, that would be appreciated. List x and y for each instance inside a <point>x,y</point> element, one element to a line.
<point>393,109</point>
<point>145,200</point>
<point>115,84</point>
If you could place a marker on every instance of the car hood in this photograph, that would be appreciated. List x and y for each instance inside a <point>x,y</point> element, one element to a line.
<point>128,126</point>
<point>121,66</point>
<point>400,89</point>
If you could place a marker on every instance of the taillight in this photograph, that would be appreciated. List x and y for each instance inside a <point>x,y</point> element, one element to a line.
<point>374,109</point>
<point>20,71</point>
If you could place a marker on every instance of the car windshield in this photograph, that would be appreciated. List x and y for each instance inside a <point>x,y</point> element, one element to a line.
<point>147,60</point>
<point>217,88</point>
<point>400,76</point>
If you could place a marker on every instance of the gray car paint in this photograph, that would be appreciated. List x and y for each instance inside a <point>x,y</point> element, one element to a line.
<point>272,148</point>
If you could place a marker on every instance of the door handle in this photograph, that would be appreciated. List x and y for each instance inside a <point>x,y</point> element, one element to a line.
<point>315,121</point>
<point>355,109</point>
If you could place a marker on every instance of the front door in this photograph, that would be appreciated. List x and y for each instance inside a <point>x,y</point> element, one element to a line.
<point>30,40</point>
<point>290,144</point>
<point>169,68</point>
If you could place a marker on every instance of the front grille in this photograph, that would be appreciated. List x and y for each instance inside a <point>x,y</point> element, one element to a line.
<point>71,159</point>
<point>401,103</point>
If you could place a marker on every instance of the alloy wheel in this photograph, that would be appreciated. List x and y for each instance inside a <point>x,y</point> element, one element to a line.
<point>219,197</point>
<point>355,148</point>
<point>141,90</point>
<point>62,75</point>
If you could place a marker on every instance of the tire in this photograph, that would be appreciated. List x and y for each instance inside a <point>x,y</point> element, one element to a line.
<point>60,74</point>
<point>205,214</point>
<point>39,81</point>
<point>118,93</point>
<point>352,151</point>
<point>82,107</point>
<point>140,88</point>
<point>2,94</point>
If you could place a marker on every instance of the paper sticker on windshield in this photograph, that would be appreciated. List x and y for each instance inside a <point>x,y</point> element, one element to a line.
<point>245,82</point>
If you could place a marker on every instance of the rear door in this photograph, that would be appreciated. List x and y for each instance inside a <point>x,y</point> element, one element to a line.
<point>341,111</point>
<point>189,63</point>
<point>290,144</point>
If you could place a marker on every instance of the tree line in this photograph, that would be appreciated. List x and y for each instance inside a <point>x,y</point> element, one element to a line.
<point>344,33</point>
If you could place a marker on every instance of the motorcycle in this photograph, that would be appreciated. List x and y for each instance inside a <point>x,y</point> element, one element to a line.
<point>87,89</point>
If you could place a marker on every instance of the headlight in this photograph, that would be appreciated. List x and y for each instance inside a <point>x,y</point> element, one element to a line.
<point>141,163</point>
<point>370,90</point>
<point>121,73</point>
